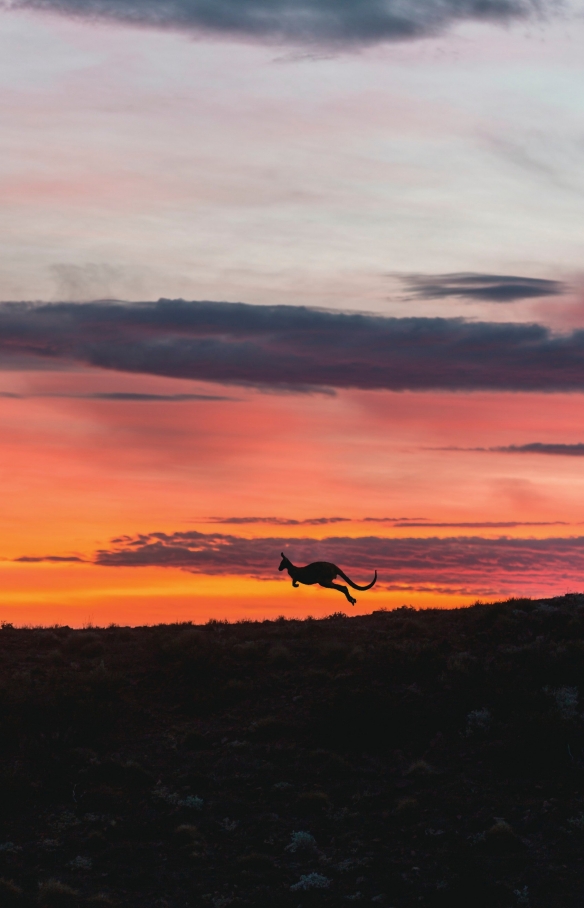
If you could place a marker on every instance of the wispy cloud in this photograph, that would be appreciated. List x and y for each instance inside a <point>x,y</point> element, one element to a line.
<point>394,522</point>
<point>456,563</point>
<point>352,22</point>
<point>147,398</point>
<point>538,447</point>
<point>535,447</point>
<point>489,288</point>
<point>485,524</point>
<point>278,521</point>
<point>56,559</point>
<point>294,347</point>
<point>390,519</point>
<point>403,522</point>
<point>123,396</point>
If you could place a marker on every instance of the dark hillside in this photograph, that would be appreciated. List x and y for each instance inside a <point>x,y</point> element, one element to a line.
<point>403,758</point>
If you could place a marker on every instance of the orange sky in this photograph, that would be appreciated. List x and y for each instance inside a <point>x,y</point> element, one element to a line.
<point>78,472</point>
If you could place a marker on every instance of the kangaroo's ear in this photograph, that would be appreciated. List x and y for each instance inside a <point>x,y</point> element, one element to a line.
<point>282,554</point>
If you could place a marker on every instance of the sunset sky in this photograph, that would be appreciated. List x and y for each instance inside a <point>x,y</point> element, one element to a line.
<point>288,275</point>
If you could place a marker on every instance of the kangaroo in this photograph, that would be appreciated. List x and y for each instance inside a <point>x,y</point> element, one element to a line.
<point>323,573</point>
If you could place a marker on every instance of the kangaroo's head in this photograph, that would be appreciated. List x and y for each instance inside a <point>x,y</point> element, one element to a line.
<point>285,562</point>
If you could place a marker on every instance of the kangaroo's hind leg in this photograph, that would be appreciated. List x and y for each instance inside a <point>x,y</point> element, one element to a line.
<point>329,585</point>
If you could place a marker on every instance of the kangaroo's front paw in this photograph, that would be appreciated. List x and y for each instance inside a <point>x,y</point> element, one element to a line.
<point>352,601</point>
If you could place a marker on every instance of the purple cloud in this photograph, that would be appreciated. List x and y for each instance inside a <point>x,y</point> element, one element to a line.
<point>486,566</point>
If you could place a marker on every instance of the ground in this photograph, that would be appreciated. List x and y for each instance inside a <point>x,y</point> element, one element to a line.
<point>404,758</point>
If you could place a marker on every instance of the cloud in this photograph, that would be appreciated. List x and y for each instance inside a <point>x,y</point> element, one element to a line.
<point>123,396</point>
<point>86,282</point>
<point>398,522</point>
<point>56,559</point>
<point>490,288</point>
<point>294,347</point>
<point>535,447</point>
<point>502,565</point>
<point>402,522</point>
<point>279,521</point>
<point>486,524</point>
<point>147,398</point>
<point>304,22</point>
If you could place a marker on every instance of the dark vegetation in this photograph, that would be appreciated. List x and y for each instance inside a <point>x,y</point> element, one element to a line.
<point>404,758</point>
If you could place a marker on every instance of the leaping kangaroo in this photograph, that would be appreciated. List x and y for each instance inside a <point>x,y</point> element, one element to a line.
<point>323,573</point>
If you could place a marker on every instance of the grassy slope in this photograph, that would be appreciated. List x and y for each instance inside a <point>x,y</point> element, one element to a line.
<point>400,741</point>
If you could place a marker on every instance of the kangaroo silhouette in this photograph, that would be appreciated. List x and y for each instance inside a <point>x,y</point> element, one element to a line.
<point>323,573</point>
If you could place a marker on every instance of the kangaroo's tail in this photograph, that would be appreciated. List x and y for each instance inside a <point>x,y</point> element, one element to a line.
<point>354,585</point>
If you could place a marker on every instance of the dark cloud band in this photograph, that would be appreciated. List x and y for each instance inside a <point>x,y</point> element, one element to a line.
<point>328,22</point>
<point>293,347</point>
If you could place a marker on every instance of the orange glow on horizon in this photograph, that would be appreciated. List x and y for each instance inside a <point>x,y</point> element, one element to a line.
<point>79,595</point>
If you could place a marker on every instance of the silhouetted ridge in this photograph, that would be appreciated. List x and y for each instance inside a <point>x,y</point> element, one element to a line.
<point>402,758</point>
